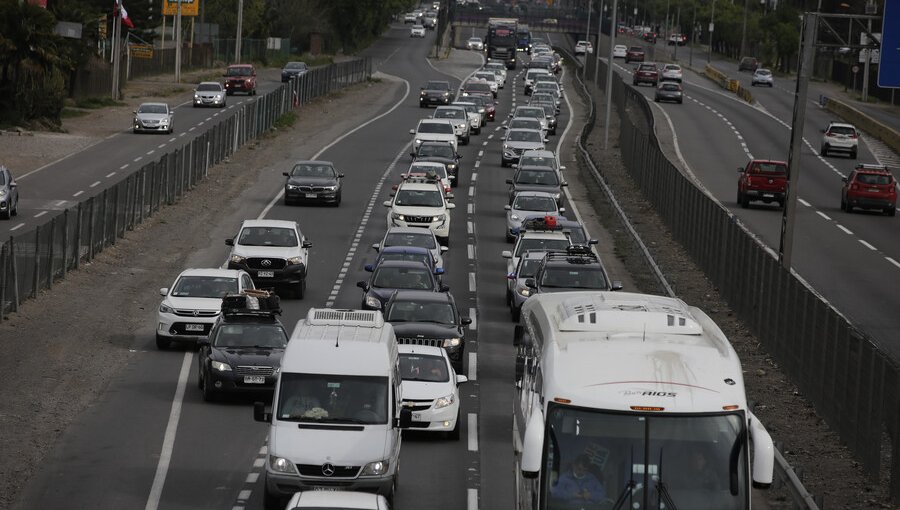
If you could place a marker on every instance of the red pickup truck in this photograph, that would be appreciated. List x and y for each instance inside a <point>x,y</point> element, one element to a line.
<point>762,180</point>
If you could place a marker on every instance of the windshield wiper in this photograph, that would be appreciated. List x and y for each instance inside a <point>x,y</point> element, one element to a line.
<point>623,497</point>
<point>307,419</point>
<point>663,491</point>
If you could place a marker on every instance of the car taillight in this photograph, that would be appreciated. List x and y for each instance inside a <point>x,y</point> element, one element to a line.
<point>852,136</point>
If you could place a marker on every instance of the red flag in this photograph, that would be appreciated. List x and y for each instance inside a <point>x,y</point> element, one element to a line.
<point>124,14</point>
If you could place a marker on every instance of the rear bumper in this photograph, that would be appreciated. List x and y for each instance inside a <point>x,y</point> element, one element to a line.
<point>870,203</point>
<point>765,196</point>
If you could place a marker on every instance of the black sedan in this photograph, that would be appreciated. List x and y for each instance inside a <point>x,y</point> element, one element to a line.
<point>313,181</point>
<point>242,354</point>
<point>440,152</point>
<point>429,318</point>
<point>392,275</point>
<point>292,69</point>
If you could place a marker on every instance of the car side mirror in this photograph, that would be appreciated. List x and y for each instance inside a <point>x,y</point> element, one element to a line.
<point>134,112</point>
<point>340,176</point>
<point>260,414</point>
<point>515,165</point>
<point>286,174</point>
<point>506,254</point>
<point>563,184</point>
<point>546,140</point>
<point>562,210</point>
<point>529,282</point>
<point>616,285</point>
<point>461,379</point>
<point>439,271</point>
<point>306,244</point>
<point>163,291</point>
<point>405,419</point>
<point>844,179</point>
<point>444,288</point>
<point>412,154</point>
<point>509,181</point>
<point>387,203</point>
<point>822,130</point>
<point>229,242</point>
<point>459,156</point>
<point>507,207</point>
<point>369,268</point>
<point>465,321</point>
<point>562,167</point>
<point>740,169</point>
<point>363,285</point>
<point>412,131</point>
<point>376,246</point>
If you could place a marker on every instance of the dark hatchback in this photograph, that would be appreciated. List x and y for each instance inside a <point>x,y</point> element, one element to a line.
<point>313,181</point>
<point>392,275</point>
<point>242,354</point>
<point>293,69</point>
<point>536,178</point>
<point>429,318</point>
<point>440,152</point>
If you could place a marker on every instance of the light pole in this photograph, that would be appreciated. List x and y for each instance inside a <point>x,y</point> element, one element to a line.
<point>712,27</point>
<point>600,15</point>
<point>587,36</point>
<point>609,70</point>
<point>178,43</point>
<point>693,37</point>
<point>744,31</point>
<point>237,40</point>
<point>666,27</point>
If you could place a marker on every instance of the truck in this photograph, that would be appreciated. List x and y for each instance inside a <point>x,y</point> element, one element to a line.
<point>502,40</point>
<point>523,38</point>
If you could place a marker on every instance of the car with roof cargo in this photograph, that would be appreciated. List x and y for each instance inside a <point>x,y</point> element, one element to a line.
<point>240,78</point>
<point>517,141</point>
<point>210,93</point>
<point>573,269</point>
<point>870,187</point>
<point>762,180</point>
<point>191,305</point>
<point>313,181</point>
<point>435,92</point>
<point>153,118</point>
<point>403,237</point>
<point>428,170</point>
<point>274,252</point>
<point>422,317</point>
<point>491,78</point>
<point>537,234</point>
<point>392,275</point>
<point>528,204</point>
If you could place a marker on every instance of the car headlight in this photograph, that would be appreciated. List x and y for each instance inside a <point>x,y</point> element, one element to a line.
<point>451,342</point>
<point>221,367</point>
<point>422,94</point>
<point>163,308</point>
<point>506,147</point>
<point>398,216</point>
<point>418,141</point>
<point>462,125</point>
<point>524,291</point>
<point>446,94</point>
<point>196,96</point>
<point>292,186</point>
<point>556,195</point>
<point>330,188</point>
<point>237,259</point>
<point>444,401</point>
<point>373,302</point>
<point>514,217</point>
<point>377,468</point>
<point>451,166</point>
<point>281,465</point>
<point>218,96</point>
<point>295,260</point>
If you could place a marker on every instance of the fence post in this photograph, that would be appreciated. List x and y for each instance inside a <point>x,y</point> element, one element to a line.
<point>91,230</point>
<point>37,261</point>
<point>15,274</point>
<point>4,281</point>
<point>103,223</point>
<point>50,253</point>
<point>65,243</point>
<point>78,238</point>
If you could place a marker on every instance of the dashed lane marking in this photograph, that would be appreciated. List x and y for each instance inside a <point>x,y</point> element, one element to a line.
<point>892,261</point>
<point>845,229</point>
<point>470,249</point>
<point>867,245</point>
<point>110,175</point>
<point>472,313</point>
<point>473,432</point>
<point>38,215</point>
<point>78,194</point>
<point>472,287</point>
<point>123,167</point>
<point>473,367</point>
<point>95,184</point>
<point>17,227</point>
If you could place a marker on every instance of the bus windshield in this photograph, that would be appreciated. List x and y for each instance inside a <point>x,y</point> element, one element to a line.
<point>594,458</point>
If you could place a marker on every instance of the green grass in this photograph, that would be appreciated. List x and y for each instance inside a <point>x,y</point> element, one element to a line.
<point>311,60</point>
<point>71,113</point>
<point>286,120</point>
<point>93,103</point>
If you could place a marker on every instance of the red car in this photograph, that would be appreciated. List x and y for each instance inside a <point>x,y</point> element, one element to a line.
<point>634,54</point>
<point>762,180</point>
<point>870,187</point>
<point>490,106</point>
<point>240,78</point>
<point>646,73</point>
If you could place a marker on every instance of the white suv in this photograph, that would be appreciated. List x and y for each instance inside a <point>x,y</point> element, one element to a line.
<point>274,252</point>
<point>840,137</point>
<point>434,130</point>
<point>459,117</point>
<point>191,305</point>
<point>421,203</point>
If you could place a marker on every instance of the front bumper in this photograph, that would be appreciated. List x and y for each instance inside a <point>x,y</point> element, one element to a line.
<point>441,228</point>
<point>300,195</point>
<point>235,383</point>
<point>835,144</point>
<point>157,128</point>
<point>435,420</point>
<point>284,486</point>
<point>291,274</point>
<point>203,101</point>
<point>238,87</point>
<point>183,329</point>
<point>434,100</point>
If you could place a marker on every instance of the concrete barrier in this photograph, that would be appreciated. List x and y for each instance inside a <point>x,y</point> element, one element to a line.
<point>717,76</point>
<point>728,84</point>
<point>865,123</point>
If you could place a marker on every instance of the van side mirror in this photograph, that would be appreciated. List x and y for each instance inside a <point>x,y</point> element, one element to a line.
<point>306,244</point>
<point>260,414</point>
<point>444,288</point>
<point>405,419</point>
<point>461,379</point>
<point>616,285</point>
<point>465,321</point>
<point>229,242</point>
<point>376,246</point>
<point>286,174</point>
<point>163,291</point>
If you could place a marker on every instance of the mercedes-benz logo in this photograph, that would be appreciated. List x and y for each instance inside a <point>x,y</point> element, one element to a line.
<point>265,263</point>
<point>327,469</point>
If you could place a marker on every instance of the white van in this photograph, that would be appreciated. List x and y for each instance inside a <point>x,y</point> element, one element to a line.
<point>336,414</point>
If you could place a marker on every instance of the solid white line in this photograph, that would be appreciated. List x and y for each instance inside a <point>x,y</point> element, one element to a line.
<point>472,499</point>
<point>38,215</point>
<point>892,261</point>
<point>471,282</point>
<point>110,175</point>
<point>867,245</point>
<point>77,194</point>
<point>472,313</point>
<point>845,229</point>
<point>473,367</point>
<point>473,432</point>
<point>17,227</point>
<point>95,184</point>
<point>823,215</point>
<point>165,455</point>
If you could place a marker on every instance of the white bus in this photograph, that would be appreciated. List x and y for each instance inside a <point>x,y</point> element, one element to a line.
<point>631,401</point>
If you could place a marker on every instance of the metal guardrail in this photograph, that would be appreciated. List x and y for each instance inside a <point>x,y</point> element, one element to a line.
<point>31,261</point>
<point>784,472</point>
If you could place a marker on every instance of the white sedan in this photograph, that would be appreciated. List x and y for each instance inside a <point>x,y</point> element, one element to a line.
<point>417,31</point>
<point>619,51</point>
<point>323,500</point>
<point>672,72</point>
<point>430,388</point>
<point>475,43</point>
<point>583,47</point>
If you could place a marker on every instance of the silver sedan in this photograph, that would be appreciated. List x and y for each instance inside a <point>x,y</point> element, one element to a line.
<point>153,118</point>
<point>528,204</point>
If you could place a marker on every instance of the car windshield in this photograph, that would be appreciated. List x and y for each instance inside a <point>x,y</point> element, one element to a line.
<point>437,85</point>
<point>669,86</point>
<point>534,203</point>
<point>842,130</point>
<point>419,168</point>
<point>530,112</point>
<point>202,286</point>
<point>410,239</point>
<point>538,244</point>
<point>670,67</point>
<point>239,71</point>
<point>546,177</point>
<point>528,268</point>
<point>337,398</point>
<point>413,278</point>
<point>295,65</point>
<point>524,135</point>
<point>537,161</point>
<point>523,123</point>
<point>577,278</point>
<point>636,49</point>
<point>763,72</point>
<point>647,67</point>
<point>267,336</point>
<point>153,108</point>
<point>769,168</point>
<point>268,236</point>
<point>2,178</point>
<point>477,87</point>
<point>440,312</point>
<point>576,234</point>
<point>873,179</point>
<point>419,198</point>
<point>309,170</point>
<point>424,258</point>
<point>449,113</point>
<point>439,151</point>
<point>442,128</point>
<point>475,39</point>
<point>209,87</point>
<point>470,108</point>
<point>486,76</point>
<point>423,367</point>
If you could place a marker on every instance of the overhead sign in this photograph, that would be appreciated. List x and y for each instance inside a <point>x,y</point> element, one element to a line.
<point>889,70</point>
<point>140,50</point>
<point>188,7</point>
<point>876,54</point>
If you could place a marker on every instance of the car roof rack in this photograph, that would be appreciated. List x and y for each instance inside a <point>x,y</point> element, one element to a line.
<point>430,177</point>
<point>251,303</point>
<point>575,254</point>
<point>870,166</point>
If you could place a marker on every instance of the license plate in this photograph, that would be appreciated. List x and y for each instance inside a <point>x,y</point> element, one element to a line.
<point>325,489</point>
<point>417,417</point>
<point>265,274</point>
<point>874,190</point>
<point>310,195</point>
<point>768,195</point>
<point>254,379</point>
<point>193,327</point>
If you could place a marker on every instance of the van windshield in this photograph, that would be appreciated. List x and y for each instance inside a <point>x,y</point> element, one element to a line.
<point>333,398</point>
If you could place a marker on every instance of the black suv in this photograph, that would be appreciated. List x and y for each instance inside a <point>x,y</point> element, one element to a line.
<point>429,318</point>
<point>576,268</point>
<point>391,275</point>
<point>243,351</point>
<point>313,181</point>
<point>436,93</point>
<point>440,152</point>
<point>536,178</point>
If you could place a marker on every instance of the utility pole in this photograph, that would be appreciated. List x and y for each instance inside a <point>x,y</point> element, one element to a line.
<point>744,32</point>
<point>693,37</point>
<point>609,71</point>
<point>808,45</point>
<point>678,26</point>
<point>587,36</point>
<point>871,9</point>
<point>237,40</point>
<point>666,27</point>
<point>178,43</point>
<point>117,29</point>
<point>712,27</point>
<point>597,49</point>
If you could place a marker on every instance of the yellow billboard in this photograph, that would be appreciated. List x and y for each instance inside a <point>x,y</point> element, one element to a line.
<point>188,7</point>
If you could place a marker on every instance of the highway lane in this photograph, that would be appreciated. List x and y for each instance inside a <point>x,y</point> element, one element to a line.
<point>62,184</point>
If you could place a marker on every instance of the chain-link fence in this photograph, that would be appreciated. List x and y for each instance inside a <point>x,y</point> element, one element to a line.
<point>32,261</point>
<point>853,385</point>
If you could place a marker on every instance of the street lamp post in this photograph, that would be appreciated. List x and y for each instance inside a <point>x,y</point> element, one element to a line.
<point>600,15</point>
<point>587,36</point>
<point>237,41</point>
<point>609,71</point>
<point>712,27</point>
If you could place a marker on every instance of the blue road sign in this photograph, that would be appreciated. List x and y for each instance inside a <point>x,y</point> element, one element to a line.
<point>889,68</point>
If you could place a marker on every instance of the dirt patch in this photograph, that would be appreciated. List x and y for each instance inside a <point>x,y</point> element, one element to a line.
<point>52,348</point>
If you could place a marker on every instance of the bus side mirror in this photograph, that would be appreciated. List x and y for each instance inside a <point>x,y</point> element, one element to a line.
<point>260,414</point>
<point>405,419</point>
<point>533,445</point>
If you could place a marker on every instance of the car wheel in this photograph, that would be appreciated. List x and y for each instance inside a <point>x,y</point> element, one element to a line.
<point>478,130</point>
<point>227,92</point>
<point>656,99</point>
<point>209,394</point>
<point>465,140</point>
<point>300,290</point>
<point>453,435</point>
<point>744,200</point>
<point>337,200</point>
<point>444,241</point>
<point>891,211</point>
<point>843,205</point>
<point>271,501</point>
<point>135,131</point>
<point>514,314</point>
<point>162,343</point>
<point>15,209</point>
<point>680,101</point>
<point>7,214</point>
<point>848,208</point>
<point>853,154</point>
<point>503,163</point>
<point>509,239</point>
<point>824,150</point>
<point>508,298</point>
